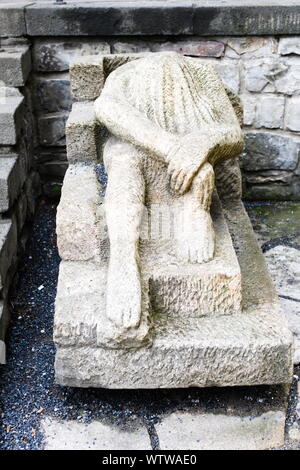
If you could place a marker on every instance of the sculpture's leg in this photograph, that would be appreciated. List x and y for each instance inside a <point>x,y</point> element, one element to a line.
<point>195,239</point>
<point>124,207</point>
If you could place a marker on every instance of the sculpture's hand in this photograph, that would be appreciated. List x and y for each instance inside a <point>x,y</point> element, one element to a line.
<point>184,161</point>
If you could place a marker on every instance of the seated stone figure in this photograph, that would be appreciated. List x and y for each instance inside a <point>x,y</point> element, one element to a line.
<point>171,121</point>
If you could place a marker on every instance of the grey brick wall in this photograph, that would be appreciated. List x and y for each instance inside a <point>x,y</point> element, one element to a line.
<point>263,70</point>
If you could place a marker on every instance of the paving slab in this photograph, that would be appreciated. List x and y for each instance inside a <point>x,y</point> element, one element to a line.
<point>284,266</point>
<point>188,431</point>
<point>71,435</point>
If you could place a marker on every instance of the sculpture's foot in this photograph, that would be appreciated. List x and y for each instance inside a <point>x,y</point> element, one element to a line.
<point>198,245</point>
<point>123,298</point>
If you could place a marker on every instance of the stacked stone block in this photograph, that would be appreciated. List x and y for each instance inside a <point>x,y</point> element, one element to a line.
<point>18,182</point>
<point>264,71</point>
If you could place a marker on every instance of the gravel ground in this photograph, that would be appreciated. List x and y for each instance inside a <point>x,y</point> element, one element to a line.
<point>28,391</point>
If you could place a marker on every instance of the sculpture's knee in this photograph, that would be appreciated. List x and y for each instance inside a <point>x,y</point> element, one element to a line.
<point>203,186</point>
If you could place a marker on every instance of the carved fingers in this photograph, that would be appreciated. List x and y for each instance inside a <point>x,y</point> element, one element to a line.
<point>181,178</point>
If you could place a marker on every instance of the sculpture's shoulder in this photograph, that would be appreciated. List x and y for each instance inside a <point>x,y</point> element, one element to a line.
<point>124,75</point>
<point>205,72</point>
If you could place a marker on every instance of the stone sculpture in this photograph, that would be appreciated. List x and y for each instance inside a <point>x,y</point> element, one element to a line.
<point>171,121</point>
<point>161,284</point>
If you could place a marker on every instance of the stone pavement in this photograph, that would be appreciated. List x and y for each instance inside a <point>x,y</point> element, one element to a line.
<point>278,231</point>
<point>38,414</point>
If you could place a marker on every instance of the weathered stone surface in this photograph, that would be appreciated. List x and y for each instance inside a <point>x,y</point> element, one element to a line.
<point>10,113</point>
<point>270,151</point>
<point>231,18</point>
<point>15,65</point>
<point>257,335</point>
<point>289,82</point>
<point>12,19</point>
<point>6,167</point>
<point>223,351</point>
<point>131,47</point>
<point>164,18</point>
<point>195,48</point>
<point>249,107</point>
<point>2,352</point>
<point>195,431</point>
<point>79,227</point>
<point>294,433</point>
<point>250,47</point>
<point>110,19</point>
<point>71,435</point>
<point>82,133</point>
<point>270,111</point>
<point>289,45</point>
<point>230,74</point>
<point>87,77</point>
<point>269,192</point>
<point>260,74</point>
<point>298,400</point>
<point>256,342</point>
<point>8,250</point>
<point>51,129</point>
<point>52,93</point>
<point>56,55</point>
<point>284,266</point>
<point>4,319</point>
<point>291,310</point>
<point>48,154</point>
<point>78,234</point>
<point>269,176</point>
<point>12,176</point>
<point>292,114</point>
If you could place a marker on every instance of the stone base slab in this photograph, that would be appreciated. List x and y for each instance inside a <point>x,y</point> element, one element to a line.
<point>248,348</point>
<point>236,350</point>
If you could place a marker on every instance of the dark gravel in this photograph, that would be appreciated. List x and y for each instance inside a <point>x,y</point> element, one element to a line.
<point>28,391</point>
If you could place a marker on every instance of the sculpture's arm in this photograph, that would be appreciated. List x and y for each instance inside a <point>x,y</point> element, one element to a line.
<point>124,121</point>
<point>236,104</point>
<point>184,155</point>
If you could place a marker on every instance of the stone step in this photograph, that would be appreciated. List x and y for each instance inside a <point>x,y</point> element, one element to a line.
<point>12,178</point>
<point>12,19</point>
<point>15,65</point>
<point>4,316</point>
<point>10,119</point>
<point>8,251</point>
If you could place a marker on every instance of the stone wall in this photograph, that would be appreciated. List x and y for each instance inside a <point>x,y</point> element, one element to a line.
<point>254,45</point>
<point>264,71</point>
<point>19,182</point>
